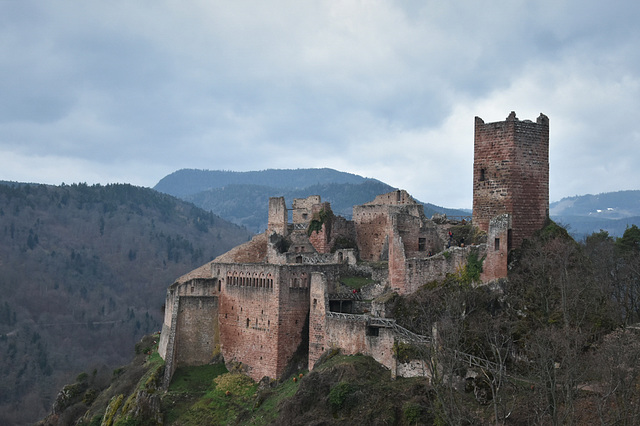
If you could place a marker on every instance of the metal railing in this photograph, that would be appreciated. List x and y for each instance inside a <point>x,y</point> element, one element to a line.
<point>345,296</point>
<point>475,361</point>
<point>351,317</point>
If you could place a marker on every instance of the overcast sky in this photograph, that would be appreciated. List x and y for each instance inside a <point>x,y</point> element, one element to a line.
<point>130,91</point>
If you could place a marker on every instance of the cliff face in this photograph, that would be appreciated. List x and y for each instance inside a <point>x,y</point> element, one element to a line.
<point>103,397</point>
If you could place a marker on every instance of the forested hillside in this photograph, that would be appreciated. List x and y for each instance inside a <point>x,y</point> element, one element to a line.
<point>83,274</point>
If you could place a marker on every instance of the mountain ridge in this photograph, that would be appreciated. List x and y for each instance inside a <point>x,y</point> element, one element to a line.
<point>609,211</point>
<point>190,181</point>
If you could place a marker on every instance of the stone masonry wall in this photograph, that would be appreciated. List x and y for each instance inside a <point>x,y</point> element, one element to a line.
<point>293,310</point>
<point>398,197</point>
<point>263,312</point>
<point>317,311</point>
<point>302,208</point>
<point>348,335</point>
<point>354,336</point>
<point>249,317</point>
<point>511,174</point>
<point>397,265</point>
<point>190,303</point>
<point>278,216</point>
<point>320,240</point>
<point>197,335</point>
<point>495,263</point>
<point>421,271</point>
<point>371,224</point>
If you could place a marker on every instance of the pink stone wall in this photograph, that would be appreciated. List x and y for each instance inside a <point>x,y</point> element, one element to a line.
<point>511,174</point>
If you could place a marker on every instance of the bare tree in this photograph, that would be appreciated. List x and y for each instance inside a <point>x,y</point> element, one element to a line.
<point>616,363</point>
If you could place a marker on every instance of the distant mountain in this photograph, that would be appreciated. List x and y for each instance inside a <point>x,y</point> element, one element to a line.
<point>190,181</point>
<point>585,214</point>
<point>242,197</point>
<point>83,275</point>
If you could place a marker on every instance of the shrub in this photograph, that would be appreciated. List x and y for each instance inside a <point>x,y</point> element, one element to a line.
<point>339,393</point>
<point>234,383</point>
<point>412,413</point>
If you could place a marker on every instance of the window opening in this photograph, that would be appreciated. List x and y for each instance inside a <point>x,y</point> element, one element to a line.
<point>373,331</point>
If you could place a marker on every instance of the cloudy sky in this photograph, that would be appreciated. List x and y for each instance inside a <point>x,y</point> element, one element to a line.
<point>130,91</point>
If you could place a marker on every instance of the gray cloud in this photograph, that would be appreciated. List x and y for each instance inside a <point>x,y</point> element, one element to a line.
<point>129,92</point>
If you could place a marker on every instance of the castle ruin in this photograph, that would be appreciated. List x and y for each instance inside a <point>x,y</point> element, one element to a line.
<point>286,289</point>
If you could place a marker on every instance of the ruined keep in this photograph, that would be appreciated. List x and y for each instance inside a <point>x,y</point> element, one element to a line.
<point>283,293</point>
<point>510,184</point>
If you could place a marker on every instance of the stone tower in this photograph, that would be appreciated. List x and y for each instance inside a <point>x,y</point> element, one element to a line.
<point>511,177</point>
<point>278,220</point>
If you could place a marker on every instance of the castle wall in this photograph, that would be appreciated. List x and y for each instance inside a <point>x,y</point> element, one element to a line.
<point>293,310</point>
<point>419,235</point>
<point>380,347</point>
<point>530,179</point>
<point>190,333</point>
<point>371,225</point>
<point>344,230</point>
<point>421,271</point>
<point>317,312</point>
<point>302,208</point>
<point>249,317</point>
<point>278,216</point>
<point>321,239</point>
<point>388,214</point>
<point>197,330</point>
<point>393,198</point>
<point>495,264</point>
<point>262,314</point>
<point>511,174</point>
<point>397,265</point>
<point>353,336</point>
<point>347,334</point>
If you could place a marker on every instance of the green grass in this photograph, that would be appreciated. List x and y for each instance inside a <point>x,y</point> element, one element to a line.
<point>267,403</point>
<point>211,395</point>
<point>356,282</point>
<point>195,379</point>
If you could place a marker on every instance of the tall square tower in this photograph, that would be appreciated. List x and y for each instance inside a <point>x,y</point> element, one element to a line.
<point>511,176</point>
